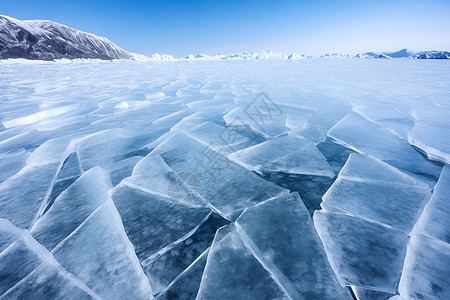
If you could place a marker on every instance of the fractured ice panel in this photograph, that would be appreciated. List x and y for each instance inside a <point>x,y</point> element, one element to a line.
<point>186,285</point>
<point>267,120</point>
<point>51,151</point>
<point>432,138</point>
<point>232,272</point>
<point>16,262</point>
<point>226,186</point>
<point>371,189</point>
<point>164,268</point>
<point>11,163</point>
<point>70,168</point>
<point>366,168</point>
<point>362,135</point>
<point>22,195</point>
<point>281,233</point>
<point>153,221</point>
<point>99,253</point>
<point>153,174</point>
<point>285,154</point>
<point>72,207</point>
<point>224,139</point>
<point>426,272</point>
<point>435,219</point>
<point>48,282</point>
<point>385,203</point>
<point>28,270</point>
<point>107,147</point>
<point>362,253</point>
<point>310,188</point>
<point>365,294</point>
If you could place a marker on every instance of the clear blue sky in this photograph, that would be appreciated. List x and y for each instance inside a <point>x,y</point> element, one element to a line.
<point>311,27</point>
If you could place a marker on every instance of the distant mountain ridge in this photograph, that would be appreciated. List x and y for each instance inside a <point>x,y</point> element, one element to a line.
<point>47,40</point>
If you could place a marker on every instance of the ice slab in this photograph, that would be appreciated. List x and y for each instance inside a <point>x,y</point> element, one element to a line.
<point>432,138</point>
<point>186,285</point>
<point>108,147</point>
<point>154,175</point>
<point>362,135</point>
<point>426,272</point>
<point>225,139</point>
<point>21,205</point>
<point>435,218</point>
<point>365,294</point>
<point>226,186</point>
<point>232,272</point>
<point>153,221</point>
<point>299,156</point>
<point>51,151</point>
<point>164,268</point>
<point>99,253</point>
<point>48,282</point>
<point>310,188</point>
<point>11,163</point>
<point>262,116</point>
<point>298,261</point>
<point>363,254</point>
<point>70,168</point>
<point>72,207</point>
<point>366,168</point>
<point>371,189</point>
<point>28,270</point>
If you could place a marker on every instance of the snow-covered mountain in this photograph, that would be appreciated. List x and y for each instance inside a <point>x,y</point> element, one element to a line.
<point>46,40</point>
<point>406,53</point>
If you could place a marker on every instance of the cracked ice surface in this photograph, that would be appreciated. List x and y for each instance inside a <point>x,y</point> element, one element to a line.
<point>181,180</point>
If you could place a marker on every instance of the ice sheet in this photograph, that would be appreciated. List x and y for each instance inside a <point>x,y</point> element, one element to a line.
<point>58,120</point>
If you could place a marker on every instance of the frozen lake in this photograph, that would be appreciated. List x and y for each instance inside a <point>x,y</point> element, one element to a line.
<point>309,179</point>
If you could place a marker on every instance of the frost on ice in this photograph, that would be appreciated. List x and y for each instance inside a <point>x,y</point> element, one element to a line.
<point>224,179</point>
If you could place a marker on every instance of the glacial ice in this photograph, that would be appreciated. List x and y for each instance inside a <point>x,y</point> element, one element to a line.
<point>115,178</point>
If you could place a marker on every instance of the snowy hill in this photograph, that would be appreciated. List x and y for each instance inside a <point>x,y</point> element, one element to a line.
<point>46,40</point>
<point>406,53</point>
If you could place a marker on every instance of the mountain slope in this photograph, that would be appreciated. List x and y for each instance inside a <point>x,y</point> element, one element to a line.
<point>46,40</point>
